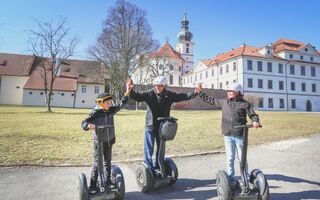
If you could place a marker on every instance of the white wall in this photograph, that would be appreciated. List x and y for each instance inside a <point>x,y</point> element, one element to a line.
<point>58,99</point>
<point>11,90</point>
<point>87,99</point>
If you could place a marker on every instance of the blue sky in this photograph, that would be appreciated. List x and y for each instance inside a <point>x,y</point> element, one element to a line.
<point>217,26</point>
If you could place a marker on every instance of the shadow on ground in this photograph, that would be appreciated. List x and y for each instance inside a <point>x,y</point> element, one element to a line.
<point>310,194</point>
<point>183,189</point>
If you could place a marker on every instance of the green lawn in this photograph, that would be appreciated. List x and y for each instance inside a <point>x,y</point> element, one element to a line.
<point>29,135</point>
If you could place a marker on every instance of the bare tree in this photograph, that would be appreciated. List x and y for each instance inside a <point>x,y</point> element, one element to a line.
<point>151,66</point>
<point>50,43</point>
<point>125,36</point>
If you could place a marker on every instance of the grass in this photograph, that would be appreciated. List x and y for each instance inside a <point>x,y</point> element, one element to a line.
<point>31,136</point>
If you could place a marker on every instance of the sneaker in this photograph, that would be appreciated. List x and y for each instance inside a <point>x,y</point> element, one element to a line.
<point>93,187</point>
<point>110,185</point>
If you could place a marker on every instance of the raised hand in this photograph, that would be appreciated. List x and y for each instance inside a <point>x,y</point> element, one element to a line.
<point>129,84</point>
<point>198,88</point>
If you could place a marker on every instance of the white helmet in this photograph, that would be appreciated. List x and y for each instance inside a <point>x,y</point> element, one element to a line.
<point>160,80</point>
<point>235,87</point>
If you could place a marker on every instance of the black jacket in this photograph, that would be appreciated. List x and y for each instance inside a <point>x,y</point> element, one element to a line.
<point>159,105</point>
<point>104,117</point>
<point>234,112</point>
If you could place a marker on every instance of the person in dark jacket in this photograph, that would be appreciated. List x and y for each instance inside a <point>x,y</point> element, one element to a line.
<point>159,101</point>
<point>234,113</point>
<point>103,115</point>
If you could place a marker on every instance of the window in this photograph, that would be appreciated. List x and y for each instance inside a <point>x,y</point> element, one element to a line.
<point>171,67</point>
<point>303,70</point>
<point>281,103</point>
<point>303,87</point>
<point>180,69</point>
<point>212,86</point>
<point>301,57</point>
<point>84,89</point>
<point>220,85</point>
<point>260,102</point>
<point>249,82</point>
<point>221,70</point>
<point>195,77</point>
<point>17,87</point>
<point>83,101</point>
<point>72,94</point>
<point>260,83</point>
<point>280,68</point>
<point>259,64</point>
<point>293,86</point>
<point>314,88</point>
<point>180,81</point>
<point>206,74</point>
<point>212,72</point>
<point>171,79</point>
<point>293,103</point>
<point>161,66</point>
<point>306,49</point>
<point>41,93</point>
<point>227,68</point>
<point>30,92</point>
<point>187,50</point>
<point>249,64</point>
<point>270,102</point>
<point>292,69</point>
<point>234,66</point>
<point>313,71</point>
<point>269,64</point>
<point>290,56</point>
<point>190,79</point>
<point>281,85</point>
<point>96,89</point>
<point>311,58</point>
<point>234,80</point>
<point>62,94</point>
<point>270,84</point>
<point>227,83</point>
<point>200,75</point>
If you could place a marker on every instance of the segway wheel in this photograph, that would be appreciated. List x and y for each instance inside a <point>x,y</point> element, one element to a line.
<point>171,170</point>
<point>260,182</point>
<point>83,187</point>
<point>223,186</point>
<point>117,177</point>
<point>144,178</point>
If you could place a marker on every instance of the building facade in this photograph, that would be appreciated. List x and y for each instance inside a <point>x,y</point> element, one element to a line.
<point>76,85</point>
<point>284,76</point>
<point>167,61</point>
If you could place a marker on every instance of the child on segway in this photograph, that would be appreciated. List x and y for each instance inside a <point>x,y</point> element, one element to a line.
<point>103,115</point>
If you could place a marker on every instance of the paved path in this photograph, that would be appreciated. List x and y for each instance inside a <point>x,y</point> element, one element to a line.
<point>292,168</point>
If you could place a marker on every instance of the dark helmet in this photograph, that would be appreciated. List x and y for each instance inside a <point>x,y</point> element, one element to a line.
<point>103,97</point>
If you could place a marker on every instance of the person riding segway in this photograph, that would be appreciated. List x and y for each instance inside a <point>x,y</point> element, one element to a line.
<point>159,101</point>
<point>106,181</point>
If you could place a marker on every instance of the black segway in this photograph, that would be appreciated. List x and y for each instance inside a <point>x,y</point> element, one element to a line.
<point>117,179</point>
<point>256,188</point>
<point>168,172</point>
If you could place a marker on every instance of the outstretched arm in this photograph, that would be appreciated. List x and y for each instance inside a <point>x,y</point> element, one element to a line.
<point>137,96</point>
<point>186,96</point>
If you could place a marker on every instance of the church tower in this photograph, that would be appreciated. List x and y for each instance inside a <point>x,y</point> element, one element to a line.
<point>185,45</point>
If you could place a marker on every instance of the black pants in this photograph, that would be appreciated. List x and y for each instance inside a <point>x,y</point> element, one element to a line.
<point>107,152</point>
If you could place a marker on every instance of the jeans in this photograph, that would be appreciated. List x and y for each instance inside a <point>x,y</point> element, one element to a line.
<point>149,137</point>
<point>233,144</point>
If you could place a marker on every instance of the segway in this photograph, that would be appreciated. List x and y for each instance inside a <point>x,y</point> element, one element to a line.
<point>117,179</point>
<point>255,188</point>
<point>168,172</point>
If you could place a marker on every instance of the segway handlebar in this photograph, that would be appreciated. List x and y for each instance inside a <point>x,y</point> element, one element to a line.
<point>105,126</point>
<point>166,118</point>
<point>247,126</point>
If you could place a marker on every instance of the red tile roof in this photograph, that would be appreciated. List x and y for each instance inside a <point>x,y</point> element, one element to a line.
<point>16,65</point>
<point>167,51</point>
<point>286,44</point>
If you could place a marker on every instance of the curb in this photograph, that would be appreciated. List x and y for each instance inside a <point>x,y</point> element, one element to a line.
<point>127,161</point>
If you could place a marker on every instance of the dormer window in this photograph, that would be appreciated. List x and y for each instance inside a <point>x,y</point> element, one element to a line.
<point>311,58</point>
<point>290,56</point>
<point>306,49</point>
